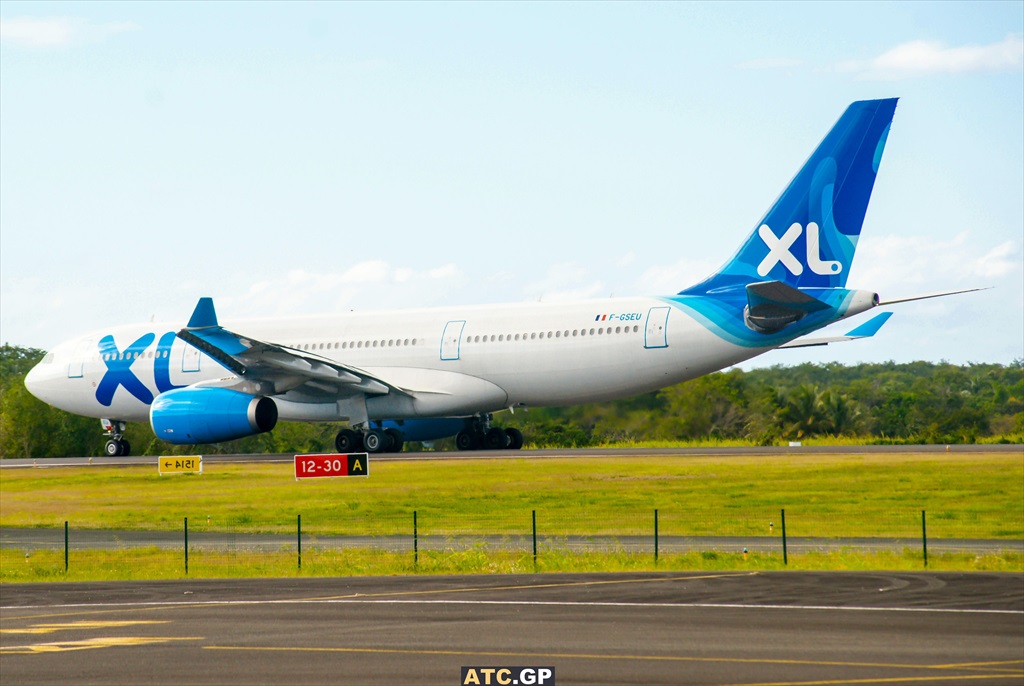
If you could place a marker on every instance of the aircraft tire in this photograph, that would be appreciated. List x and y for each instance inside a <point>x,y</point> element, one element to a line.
<point>496,439</point>
<point>515,438</point>
<point>348,441</point>
<point>466,440</point>
<point>112,448</point>
<point>397,441</point>
<point>126,448</point>
<point>376,441</point>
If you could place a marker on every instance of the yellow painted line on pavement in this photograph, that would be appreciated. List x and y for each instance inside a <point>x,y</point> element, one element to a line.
<point>91,644</point>
<point>931,678</point>
<point>971,665</point>
<point>73,626</point>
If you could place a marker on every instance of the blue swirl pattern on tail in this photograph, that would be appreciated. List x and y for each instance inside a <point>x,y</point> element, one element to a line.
<point>808,237</point>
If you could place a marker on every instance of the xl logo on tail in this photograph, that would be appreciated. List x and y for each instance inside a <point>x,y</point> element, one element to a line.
<point>778,251</point>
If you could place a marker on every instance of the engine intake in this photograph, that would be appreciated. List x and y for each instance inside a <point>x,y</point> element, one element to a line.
<point>210,415</point>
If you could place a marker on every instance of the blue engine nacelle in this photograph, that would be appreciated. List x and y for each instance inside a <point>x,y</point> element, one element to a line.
<point>210,415</point>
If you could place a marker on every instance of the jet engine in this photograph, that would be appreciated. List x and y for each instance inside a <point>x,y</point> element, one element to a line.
<point>209,415</point>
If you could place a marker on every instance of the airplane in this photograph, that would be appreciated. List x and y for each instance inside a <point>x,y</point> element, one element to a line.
<point>410,374</point>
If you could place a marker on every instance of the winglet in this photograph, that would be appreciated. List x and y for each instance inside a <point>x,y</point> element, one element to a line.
<point>871,326</point>
<point>204,315</point>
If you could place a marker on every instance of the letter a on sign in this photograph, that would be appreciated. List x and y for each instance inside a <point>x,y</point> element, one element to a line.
<point>356,466</point>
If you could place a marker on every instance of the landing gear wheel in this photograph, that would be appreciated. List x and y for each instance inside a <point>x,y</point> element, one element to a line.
<point>515,438</point>
<point>496,439</point>
<point>376,441</point>
<point>466,440</point>
<point>112,448</point>
<point>126,448</point>
<point>396,439</point>
<point>348,441</point>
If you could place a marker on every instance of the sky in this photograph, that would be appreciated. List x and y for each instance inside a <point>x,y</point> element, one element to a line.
<point>295,158</point>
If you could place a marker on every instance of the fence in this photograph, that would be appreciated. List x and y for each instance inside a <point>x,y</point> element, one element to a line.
<point>357,543</point>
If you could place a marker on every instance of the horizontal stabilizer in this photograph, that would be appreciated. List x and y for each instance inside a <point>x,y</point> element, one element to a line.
<point>865,330</point>
<point>773,305</point>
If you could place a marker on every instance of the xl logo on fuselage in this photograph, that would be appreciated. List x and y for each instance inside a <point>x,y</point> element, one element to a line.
<point>778,251</point>
<point>119,363</point>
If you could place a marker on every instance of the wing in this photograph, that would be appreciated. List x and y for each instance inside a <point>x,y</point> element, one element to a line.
<point>268,369</point>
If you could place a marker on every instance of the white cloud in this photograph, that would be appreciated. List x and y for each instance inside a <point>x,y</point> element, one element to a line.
<point>925,58</point>
<point>891,264</point>
<point>672,278</point>
<point>57,32</point>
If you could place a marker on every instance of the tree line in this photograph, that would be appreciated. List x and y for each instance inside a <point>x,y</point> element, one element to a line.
<point>915,402</point>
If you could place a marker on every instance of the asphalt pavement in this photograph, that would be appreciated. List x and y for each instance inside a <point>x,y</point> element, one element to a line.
<point>671,628</point>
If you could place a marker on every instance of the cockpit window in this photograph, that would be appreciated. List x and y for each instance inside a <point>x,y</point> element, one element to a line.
<point>48,359</point>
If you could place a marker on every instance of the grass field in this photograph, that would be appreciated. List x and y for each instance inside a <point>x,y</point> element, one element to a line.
<point>966,495</point>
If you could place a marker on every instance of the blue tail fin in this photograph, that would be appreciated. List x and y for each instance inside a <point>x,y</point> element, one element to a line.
<point>808,236</point>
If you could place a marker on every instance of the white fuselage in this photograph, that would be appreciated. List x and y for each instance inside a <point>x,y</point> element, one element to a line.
<point>454,361</point>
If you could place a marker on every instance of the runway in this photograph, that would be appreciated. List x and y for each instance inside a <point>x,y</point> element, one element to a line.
<point>611,453</point>
<point>672,628</point>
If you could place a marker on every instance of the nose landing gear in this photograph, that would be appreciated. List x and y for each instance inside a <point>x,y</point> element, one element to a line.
<point>117,446</point>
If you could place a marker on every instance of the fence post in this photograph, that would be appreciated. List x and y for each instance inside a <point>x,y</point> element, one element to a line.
<point>65,547</point>
<point>534,540</point>
<point>655,535</point>
<point>186,546</point>
<point>924,538</point>
<point>299,525</point>
<point>785,555</point>
<point>415,541</point>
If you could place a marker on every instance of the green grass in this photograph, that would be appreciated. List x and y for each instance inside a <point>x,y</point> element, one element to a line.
<point>154,563</point>
<point>966,495</point>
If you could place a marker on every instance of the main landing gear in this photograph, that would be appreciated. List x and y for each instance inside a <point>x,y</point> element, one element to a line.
<point>117,446</point>
<point>370,440</point>
<point>480,435</point>
<point>476,434</point>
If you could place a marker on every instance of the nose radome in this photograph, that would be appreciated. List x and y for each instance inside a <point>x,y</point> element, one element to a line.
<point>33,379</point>
<point>39,380</point>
